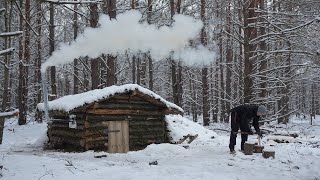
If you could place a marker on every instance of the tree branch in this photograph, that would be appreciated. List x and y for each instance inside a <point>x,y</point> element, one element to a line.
<point>6,51</point>
<point>7,34</point>
<point>72,2</point>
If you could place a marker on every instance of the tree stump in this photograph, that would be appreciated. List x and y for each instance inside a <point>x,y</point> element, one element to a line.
<point>267,154</point>
<point>258,149</point>
<point>248,148</point>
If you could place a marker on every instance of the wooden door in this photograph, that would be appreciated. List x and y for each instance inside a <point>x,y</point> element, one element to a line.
<point>118,136</point>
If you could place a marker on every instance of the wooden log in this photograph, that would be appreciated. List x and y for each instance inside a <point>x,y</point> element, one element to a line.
<point>248,148</point>
<point>67,134</point>
<point>192,138</point>
<point>57,141</point>
<point>127,112</point>
<point>79,126</point>
<point>134,124</point>
<point>98,125</point>
<point>94,134</point>
<point>267,154</point>
<point>136,95</point>
<point>151,99</point>
<point>258,149</point>
<point>59,114</point>
<point>128,105</point>
<point>115,117</point>
<point>183,139</point>
<point>150,128</point>
<point>125,100</point>
<point>95,139</point>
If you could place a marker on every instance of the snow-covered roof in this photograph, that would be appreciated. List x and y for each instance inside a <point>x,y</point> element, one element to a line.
<point>70,102</point>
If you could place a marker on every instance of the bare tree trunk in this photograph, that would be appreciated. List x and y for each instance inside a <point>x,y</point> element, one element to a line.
<point>86,75</point>
<point>194,99</point>
<point>263,48</point>
<point>241,61</point>
<point>249,34</point>
<point>134,69</point>
<point>179,74</point>
<point>95,72</point>
<point>133,3</point>
<point>216,85</point>
<point>138,70</point>
<point>37,79</point>
<point>213,104</point>
<point>7,57</point>
<point>174,83</point>
<point>145,58</point>
<point>111,72</point>
<point>229,62</point>
<point>51,41</point>
<point>150,72</point>
<point>221,80</point>
<point>75,62</point>
<point>21,98</point>
<point>180,84</point>
<point>143,70</point>
<point>148,57</point>
<point>205,93</point>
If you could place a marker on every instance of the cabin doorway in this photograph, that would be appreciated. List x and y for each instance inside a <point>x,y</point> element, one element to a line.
<point>118,136</point>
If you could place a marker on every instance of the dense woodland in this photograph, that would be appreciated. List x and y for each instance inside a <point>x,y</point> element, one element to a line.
<point>267,51</point>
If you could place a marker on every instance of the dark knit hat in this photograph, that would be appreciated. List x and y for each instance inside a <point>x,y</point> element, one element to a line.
<point>262,109</point>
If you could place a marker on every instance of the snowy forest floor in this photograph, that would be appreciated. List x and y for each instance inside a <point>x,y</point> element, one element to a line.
<point>22,157</point>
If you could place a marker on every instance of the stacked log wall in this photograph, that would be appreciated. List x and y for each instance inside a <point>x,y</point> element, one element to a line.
<point>61,136</point>
<point>144,114</point>
<point>146,122</point>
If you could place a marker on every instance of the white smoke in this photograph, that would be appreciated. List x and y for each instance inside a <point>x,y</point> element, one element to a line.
<point>126,33</point>
<point>199,56</point>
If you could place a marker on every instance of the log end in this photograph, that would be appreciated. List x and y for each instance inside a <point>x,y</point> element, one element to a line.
<point>267,154</point>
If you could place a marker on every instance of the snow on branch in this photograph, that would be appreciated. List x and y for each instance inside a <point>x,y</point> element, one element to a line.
<point>6,34</point>
<point>301,26</point>
<point>282,32</point>
<point>11,113</point>
<point>72,2</point>
<point>6,51</point>
<point>2,10</point>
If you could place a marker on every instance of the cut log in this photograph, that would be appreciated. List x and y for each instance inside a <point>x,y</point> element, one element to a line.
<point>182,140</point>
<point>192,138</point>
<point>267,154</point>
<point>258,149</point>
<point>248,148</point>
<point>127,112</point>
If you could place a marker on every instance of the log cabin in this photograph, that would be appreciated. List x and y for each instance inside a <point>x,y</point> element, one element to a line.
<point>116,119</point>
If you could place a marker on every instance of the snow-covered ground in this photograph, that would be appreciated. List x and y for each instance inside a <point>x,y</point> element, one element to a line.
<point>207,157</point>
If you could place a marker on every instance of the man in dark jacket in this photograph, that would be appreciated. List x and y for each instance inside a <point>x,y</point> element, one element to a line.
<point>241,117</point>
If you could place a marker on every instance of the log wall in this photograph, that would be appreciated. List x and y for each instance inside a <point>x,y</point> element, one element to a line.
<point>62,137</point>
<point>146,123</point>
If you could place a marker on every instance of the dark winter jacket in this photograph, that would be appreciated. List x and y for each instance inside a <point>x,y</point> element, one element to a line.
<point>243,115</point>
